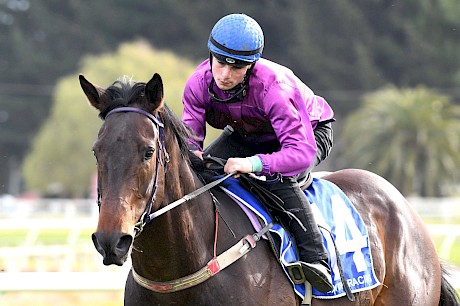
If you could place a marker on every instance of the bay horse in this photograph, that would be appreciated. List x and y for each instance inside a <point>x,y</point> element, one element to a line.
<point>143,165</point>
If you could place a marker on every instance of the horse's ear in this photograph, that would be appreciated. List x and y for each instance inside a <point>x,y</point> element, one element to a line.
<point>92,92</point>
<point>154,92</point>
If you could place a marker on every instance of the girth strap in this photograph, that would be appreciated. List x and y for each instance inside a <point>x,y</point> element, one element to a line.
<point>214,266</point>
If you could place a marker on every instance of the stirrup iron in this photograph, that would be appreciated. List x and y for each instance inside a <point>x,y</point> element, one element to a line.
<point>296,273</point>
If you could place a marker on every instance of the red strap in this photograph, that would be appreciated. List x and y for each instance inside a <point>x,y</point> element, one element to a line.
<point>215,234</point>
<point>214,266</point>
<point>250,240</point>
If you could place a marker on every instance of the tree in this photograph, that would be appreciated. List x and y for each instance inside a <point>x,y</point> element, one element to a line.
<point>342,49</point>
<point>409,136</point>
<point>60,160</point>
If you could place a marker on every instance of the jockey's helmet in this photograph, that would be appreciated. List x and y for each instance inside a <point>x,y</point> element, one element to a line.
<point>236,39</point>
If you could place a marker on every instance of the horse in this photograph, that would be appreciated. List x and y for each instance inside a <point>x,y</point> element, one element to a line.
<point>143,165</point>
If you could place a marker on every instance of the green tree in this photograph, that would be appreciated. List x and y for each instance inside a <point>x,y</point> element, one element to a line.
<point>60,159</point>
<point>342,49</point>
<point>409,136</point>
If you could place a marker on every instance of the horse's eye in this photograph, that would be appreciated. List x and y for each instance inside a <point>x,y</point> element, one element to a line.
<point>149,153</point>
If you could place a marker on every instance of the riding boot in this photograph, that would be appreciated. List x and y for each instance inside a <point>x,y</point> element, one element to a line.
<point>314,265</point>
<point>312,253</point>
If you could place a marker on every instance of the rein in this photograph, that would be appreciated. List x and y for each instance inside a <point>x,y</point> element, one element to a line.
<point>188,197</point>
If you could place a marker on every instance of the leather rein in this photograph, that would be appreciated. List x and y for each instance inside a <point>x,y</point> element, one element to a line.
<point>218,262</point>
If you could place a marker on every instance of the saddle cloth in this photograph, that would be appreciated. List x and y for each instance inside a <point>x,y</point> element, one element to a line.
<point>334,212</point>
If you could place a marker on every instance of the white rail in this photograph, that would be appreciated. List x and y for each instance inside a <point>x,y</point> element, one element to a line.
<point>100,278</point>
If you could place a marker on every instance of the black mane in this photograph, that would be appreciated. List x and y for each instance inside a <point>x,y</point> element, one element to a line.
<point>182,132</point>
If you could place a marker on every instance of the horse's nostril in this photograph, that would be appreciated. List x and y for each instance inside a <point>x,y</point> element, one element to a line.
<point>124,243</point>
<point>114,248</point>
<point>97,244</point>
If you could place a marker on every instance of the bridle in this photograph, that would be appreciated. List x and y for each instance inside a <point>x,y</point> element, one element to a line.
<point>146,216</point>
<point>218,262</point>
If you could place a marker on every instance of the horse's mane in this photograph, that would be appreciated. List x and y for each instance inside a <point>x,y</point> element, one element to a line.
<point>182,132</point>
<point>126,92</point>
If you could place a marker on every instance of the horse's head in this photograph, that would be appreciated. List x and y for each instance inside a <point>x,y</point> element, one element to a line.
<point>128,152</point>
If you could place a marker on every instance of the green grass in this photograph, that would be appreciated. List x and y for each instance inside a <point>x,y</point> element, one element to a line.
<point>48,237</point>
<point>52,237</point>
<point>454,254</point>
<point>17,237</point>
<point>12,238</point>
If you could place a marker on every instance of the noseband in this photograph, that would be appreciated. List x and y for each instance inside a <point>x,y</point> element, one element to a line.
<point>146,216</point>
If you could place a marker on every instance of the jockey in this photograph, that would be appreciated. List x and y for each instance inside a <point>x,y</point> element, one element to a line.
<point>281,128</point>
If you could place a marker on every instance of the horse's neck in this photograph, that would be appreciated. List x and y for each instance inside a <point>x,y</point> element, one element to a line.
<point>180,241</point>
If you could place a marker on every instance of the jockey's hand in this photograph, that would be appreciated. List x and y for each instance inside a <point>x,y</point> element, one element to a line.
<point>242,165</point>
<point>198,153</point>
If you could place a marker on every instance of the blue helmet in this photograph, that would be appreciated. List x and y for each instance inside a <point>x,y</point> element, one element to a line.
<point>237,37</point>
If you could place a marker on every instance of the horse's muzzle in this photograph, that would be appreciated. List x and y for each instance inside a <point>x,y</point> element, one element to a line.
<point>114,248</point>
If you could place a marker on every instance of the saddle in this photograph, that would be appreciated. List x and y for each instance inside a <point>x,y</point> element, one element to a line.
<point>211,168</point>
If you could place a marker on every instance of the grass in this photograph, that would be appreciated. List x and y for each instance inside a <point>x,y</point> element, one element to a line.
<point>17,237</point>
<point>454,254</point>
<point>12,238</point>
<point>49,237</point>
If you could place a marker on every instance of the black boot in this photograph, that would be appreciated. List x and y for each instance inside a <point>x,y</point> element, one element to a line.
<point>316,272</point>
<point>303,227</point>
<point>318,275</point>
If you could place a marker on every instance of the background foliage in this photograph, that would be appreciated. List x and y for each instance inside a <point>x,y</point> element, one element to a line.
<point>342,49</point>
<point>418,130</point>
<point>58,150</point>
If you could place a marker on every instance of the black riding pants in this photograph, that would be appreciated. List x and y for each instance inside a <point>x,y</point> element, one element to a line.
<point>307,235</point>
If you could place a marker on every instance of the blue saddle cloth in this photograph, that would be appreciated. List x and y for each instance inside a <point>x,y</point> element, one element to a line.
<point>333,211</point>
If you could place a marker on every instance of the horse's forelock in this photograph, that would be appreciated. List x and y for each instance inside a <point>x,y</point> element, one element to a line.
<point>122,93</point>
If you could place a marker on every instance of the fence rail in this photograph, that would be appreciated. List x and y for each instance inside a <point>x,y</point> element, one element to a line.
<point>15,279</point>
<point>75,216</point>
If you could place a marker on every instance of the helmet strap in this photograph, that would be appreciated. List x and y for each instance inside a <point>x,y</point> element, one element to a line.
<point>239,91</point>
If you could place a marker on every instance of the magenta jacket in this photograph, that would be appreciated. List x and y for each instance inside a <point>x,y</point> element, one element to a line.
<point>278,106</point>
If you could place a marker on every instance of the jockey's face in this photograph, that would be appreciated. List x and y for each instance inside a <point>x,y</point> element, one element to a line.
<point>227,76</point>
